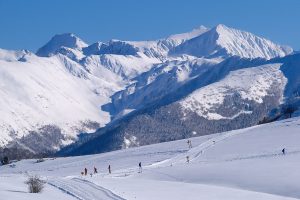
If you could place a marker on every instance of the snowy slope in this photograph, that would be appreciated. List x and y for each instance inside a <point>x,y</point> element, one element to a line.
<point>13,187</point>
<point>50,91</point>
<point>222,41</point>
<point>252,84</point>
<point>9,55</point>
<point>123,66</point>
<point>240,164</point>
<point>157,48</point>
<point>158,82</point>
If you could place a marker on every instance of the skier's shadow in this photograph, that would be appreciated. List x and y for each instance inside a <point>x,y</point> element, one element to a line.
<point>18,191</point>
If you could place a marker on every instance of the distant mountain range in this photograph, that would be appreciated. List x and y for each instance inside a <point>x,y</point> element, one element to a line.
<point>131,93</point>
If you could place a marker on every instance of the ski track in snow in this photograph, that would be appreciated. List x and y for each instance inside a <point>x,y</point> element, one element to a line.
<point>195,156</point>
<point>83,189</point>
<point>195,152</point>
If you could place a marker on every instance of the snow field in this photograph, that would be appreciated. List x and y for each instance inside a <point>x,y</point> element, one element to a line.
<point>240,164</point>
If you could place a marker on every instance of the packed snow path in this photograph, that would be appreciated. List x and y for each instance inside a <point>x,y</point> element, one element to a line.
<point>199,149</point>
<point>83,189</point>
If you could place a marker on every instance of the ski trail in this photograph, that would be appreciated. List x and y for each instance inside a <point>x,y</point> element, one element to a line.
<point>195,152</point>
<point>194,155</point>
<point>83,189</point>
<point>261,156</point>
<point>200,149</point>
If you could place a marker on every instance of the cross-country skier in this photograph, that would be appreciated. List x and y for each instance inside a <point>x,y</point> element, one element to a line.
<point>95,170</point>
<point>85,171</point>
<point>283,151</point>
<point>109,169</point>
<point>189,142</point>
<point>187,159</point>
<point>140,167</point>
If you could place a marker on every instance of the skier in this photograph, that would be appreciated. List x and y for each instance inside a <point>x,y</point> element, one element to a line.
<point>85,171</point>
<point>283,151</point>
<point>140,167</point>
<point>95,170</point>
<point>189,142</point>
<point>187,159</point>
<point>109,169</point>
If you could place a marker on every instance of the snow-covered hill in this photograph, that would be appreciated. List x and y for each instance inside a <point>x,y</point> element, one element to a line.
<point>69,87</point>
<point>241,164</point>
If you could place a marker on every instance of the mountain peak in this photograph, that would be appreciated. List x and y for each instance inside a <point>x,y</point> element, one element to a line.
<point>222,41</point>
<point>58,41</point>
<point>220,26</point>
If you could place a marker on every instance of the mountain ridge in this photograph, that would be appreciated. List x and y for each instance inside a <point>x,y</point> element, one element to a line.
<point>69,88</point>
<point>224,41</point>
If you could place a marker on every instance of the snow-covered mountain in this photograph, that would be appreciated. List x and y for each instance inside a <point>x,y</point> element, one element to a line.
<point>69,87</point>
<point>62,42</point>
<point>161,80</point>
<point>41,92</point>
<point>233,94</point>
<point>158,48</point>
<point>222,41</point>
<point>251,84</point>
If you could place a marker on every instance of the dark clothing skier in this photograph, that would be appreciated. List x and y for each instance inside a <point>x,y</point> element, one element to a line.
<point>140,167</point>
<point>283,151</point>
<point>189,142</point>
<point>109,169</point>
<point>85,171</point>
<point>95,170</point>
<point>188,159</point>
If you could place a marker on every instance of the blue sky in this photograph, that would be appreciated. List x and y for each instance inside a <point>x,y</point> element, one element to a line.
<point>29,24</point>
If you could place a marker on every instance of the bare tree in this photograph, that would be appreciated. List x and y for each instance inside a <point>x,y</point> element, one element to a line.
<point>35,184</point>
